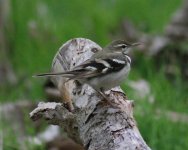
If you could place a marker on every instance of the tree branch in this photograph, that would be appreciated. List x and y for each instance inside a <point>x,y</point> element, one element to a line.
<point>93,123</point>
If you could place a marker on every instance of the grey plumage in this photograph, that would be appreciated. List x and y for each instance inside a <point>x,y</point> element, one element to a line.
<point>104,70</point>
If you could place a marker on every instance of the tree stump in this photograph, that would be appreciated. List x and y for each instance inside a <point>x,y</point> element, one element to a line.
<point>93,124</point>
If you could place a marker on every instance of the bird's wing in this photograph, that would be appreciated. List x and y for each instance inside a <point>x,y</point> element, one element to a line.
<point>101,66</point>
<point>92,68</point>
<point>82,71</point>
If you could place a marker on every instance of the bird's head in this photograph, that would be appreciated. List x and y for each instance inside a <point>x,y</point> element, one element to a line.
<point>120,46</point>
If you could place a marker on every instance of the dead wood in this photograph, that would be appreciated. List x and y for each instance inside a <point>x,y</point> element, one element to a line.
<point>93,124</point>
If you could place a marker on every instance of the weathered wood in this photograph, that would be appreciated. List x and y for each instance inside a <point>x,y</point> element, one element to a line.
<point>93,123</point>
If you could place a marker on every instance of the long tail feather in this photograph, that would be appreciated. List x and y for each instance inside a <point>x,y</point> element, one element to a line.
<point>50,74</point>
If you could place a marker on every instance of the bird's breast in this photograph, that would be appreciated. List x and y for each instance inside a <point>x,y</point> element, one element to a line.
<point>110,80</point>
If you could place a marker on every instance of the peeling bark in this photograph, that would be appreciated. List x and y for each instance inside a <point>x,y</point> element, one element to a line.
<point>93,123</point>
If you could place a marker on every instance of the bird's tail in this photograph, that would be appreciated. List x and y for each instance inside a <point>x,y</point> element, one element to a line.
<point>64,74</point>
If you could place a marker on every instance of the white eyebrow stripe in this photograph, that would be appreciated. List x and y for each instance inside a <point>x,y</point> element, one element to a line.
<point>120,45</point>
<point>118,61</point>
<point>91,68</point>
<point>105,63</point>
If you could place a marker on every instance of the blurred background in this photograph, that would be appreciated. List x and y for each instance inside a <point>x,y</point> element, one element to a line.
<point>31,33</point>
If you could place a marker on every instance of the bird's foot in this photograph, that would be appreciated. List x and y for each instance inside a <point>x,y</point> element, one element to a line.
<point>107,100</point>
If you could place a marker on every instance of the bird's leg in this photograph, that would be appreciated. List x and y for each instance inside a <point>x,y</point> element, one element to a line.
<point>101,92</point>
<point>103,95</point>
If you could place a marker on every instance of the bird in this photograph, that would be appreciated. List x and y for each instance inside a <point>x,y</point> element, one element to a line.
<point>106,69</point>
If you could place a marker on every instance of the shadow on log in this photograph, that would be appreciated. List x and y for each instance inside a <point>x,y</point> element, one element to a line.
<point>93,124</point>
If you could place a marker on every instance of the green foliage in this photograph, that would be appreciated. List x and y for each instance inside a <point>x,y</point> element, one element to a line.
<point>37,29</point>
<point>162,133</point>
<point>159,131</point>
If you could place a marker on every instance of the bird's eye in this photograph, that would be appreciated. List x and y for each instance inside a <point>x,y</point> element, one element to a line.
<point>124,46</point>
